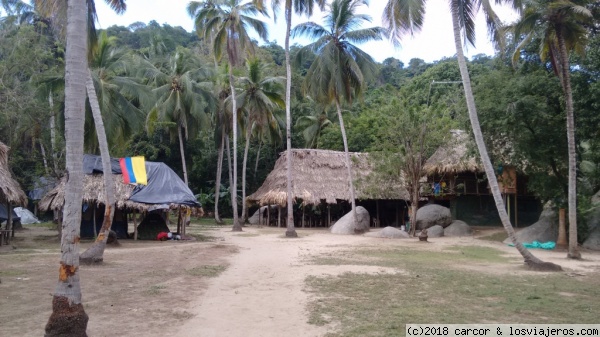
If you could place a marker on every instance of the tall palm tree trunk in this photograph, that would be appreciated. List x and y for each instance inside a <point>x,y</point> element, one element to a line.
<point>237,227</point>
<point>348,162</point>
<point>218,178</point>
<point>572,193</point>
<point>530,260</point>
<point>290,231</point>
<point>244,167</point>
<point>182,152</point>
<point>68,316</point>
<point>95,253</point>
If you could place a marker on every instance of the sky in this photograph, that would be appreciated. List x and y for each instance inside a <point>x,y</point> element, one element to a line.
<point>433,43</point>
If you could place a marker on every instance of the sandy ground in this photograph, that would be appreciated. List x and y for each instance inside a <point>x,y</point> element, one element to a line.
<point>154,288</point>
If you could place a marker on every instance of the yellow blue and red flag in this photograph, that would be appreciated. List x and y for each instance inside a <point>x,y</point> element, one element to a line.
<point>134,170</point>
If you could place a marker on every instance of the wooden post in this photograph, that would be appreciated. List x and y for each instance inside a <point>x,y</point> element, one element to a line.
<point>303,214</point>
<point>94,221</point>
<point>179,220</point>
<point>268,215</point>
<point>516,212</point>
<point>9,222</point>
<point>278,216</point>
<point>561,242</point>
<point>135,230</point>
<point>378,223</point>
<point>328,215</point>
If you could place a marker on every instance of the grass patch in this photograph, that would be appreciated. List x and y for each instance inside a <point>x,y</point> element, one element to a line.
<point>435,289</point>
<point>202,237</point>
<point>12,273</point>
<point>47,224</point>
<point>247,235</point>
<point>496,237</point>
<point>155,289</point>
<point>207,271</point>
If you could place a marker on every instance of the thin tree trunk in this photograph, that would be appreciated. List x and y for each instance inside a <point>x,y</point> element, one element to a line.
<point>257,158</point>
<point>43,150</point>
<point>530,260</point>
<point>572,194</point>
<point>218,179</point>
<point>68,316</point>
<point>95,254</point>
<point>348,162</point>
<point>53,132</point>
<point>244,166</point>
<point>290,231</point>
<point>182,152</point>
<point>228,149</point>
<point>237,227</point>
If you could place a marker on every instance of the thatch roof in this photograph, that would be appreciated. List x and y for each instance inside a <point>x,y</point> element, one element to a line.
<point>93,191</point>
<point>10,190</point>
<point>321,175</point>
<point>453,157</point>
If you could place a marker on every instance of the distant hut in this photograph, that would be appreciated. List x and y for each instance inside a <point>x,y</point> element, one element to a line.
<point>320,179</point>
<point>167,191</point>
<point>456,179</point>
<point>11,193</point>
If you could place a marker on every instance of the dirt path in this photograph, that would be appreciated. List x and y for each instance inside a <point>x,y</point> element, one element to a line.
<point>261,293</point>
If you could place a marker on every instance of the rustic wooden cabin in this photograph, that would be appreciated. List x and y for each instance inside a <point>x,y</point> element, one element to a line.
<point>456,179</point>
<point>11,195</point>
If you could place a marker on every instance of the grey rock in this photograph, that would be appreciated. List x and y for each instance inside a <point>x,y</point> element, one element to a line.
<point>389,232</point>
<point>432,215</point>
<point>458,228</point>
<point>435,231</point>
<point>544,230</point>
<point>593,221</point>
<point>345,225</point>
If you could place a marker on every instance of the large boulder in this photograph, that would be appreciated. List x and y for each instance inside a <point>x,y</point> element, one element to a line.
<point>544,230</point>
<point>458,228</point>
<point>593,221</point>
<point>261,214</point>
<point>435,231</point>
<point>432,215</point>
<point>345,225</point>
<point>390,233</point>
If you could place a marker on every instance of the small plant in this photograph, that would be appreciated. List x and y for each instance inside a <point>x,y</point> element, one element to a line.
<point>207,271</point>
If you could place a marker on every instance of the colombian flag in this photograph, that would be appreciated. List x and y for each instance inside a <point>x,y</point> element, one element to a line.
<point>134,170</point>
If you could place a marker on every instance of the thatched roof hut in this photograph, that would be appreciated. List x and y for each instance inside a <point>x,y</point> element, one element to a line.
<point>93,191</point>
<point>10,190</point>
<point>453,157</point>
<point>164,190</point>
<point>321,175</point>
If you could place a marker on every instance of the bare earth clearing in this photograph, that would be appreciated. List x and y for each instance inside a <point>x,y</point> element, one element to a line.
<point>170,288</point>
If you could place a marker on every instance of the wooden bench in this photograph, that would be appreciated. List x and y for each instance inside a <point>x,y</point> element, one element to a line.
<point>5,236</point>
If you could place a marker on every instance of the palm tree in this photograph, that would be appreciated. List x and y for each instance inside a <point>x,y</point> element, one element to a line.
<point>300,7</point>
<point>560,26</point>
<point>68,316</point>
<point>406,16</point>
<point>313,124</point>
<point>225,22</point>
<point>340,70</point>
<point>259,97</point>
<point>120,94</point>
<point>56,11</point>
<point>183,99</point>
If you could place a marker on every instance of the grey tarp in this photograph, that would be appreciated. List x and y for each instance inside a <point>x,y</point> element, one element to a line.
<point>164,185</point>
<point>4,214</point>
